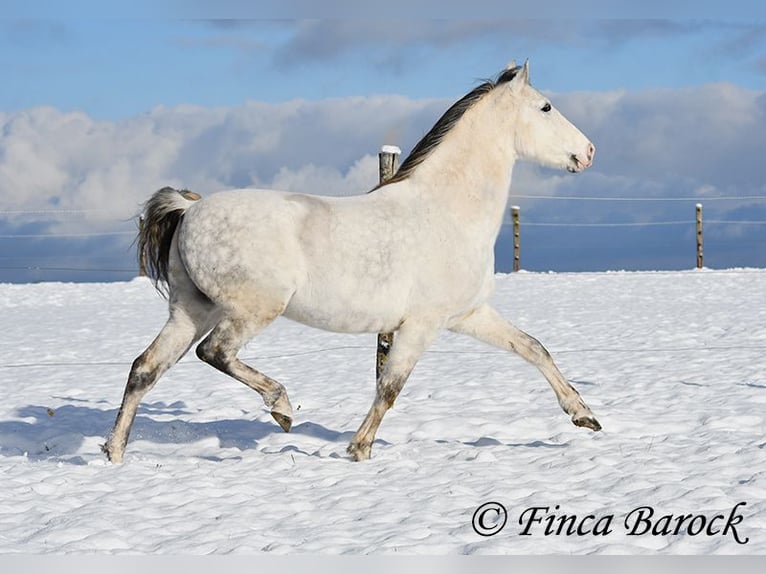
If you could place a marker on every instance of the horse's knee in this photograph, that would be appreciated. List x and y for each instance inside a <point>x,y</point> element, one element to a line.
<point>388,395</point>
<point>540,350</point>
<point>388,390</point>
<point>532,350</point>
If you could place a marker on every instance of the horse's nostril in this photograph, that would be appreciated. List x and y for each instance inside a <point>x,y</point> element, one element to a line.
<point>591,151</point>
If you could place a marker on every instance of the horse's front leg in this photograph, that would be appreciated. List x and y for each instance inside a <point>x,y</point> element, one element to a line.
<point>412,339</point>
<point>487,325</point>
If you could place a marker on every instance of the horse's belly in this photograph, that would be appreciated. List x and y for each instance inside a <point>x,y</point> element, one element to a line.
<point>344,316</point>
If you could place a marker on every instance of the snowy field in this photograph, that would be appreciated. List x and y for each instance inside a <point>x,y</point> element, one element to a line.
<point>672,364</point>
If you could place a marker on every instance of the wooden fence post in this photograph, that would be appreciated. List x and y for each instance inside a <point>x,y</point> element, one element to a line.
<point>388,159</point>
<point>699,236</point>
<point>515,214</point>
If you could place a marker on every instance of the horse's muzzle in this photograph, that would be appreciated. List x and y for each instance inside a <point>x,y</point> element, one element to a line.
<point>578,163</point>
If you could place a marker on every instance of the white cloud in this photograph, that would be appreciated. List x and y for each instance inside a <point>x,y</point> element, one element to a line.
<point>655,143</point>
<point>325,180</point>
<point>712,133</point>
<point>51,159</point>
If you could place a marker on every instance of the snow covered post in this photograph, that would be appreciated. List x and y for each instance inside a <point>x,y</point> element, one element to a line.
<point>387,164</point>
<point>515,214</point>
<point>699,235</point>
<point>388,158</point>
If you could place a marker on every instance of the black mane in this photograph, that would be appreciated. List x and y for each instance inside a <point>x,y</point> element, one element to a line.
<point>448,120</point>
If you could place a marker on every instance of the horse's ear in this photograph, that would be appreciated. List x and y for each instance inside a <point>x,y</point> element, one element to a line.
<point>523,74</point>
<point>521,78</point>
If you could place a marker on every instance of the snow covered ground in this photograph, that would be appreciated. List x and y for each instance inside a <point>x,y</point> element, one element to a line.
<point>671,363</point>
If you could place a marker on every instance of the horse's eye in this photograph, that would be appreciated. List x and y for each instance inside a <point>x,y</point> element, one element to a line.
<point>546,108</point>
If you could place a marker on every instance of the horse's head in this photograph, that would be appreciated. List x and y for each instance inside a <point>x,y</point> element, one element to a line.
<point>543,134</point>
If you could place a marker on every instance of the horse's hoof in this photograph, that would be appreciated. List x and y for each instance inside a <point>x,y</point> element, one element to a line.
<point>359,451</point>
<point>588,421</point>
<point>284,421</point>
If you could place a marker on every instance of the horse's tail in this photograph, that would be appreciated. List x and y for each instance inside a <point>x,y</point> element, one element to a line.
<point>162,213</point>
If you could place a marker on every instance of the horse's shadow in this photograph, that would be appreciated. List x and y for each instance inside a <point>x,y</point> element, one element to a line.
<point>59,435</point>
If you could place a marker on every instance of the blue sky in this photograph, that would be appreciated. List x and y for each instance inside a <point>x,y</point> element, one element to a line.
<point>100,106</point>
<point>113,68</point>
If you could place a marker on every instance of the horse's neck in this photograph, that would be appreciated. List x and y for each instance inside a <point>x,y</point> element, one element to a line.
<point>469,173</point>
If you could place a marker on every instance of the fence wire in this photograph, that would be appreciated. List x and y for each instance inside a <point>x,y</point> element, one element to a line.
<point>602,198</point>
<point>89,235</point>
<point>367,348</point>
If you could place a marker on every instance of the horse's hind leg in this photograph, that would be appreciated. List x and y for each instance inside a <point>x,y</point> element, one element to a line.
<point>487,325</point>
<point>219,349</point>
<point>173,341</point>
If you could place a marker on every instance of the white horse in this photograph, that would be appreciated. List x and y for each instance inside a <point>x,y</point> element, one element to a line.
<point>413,257</point>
